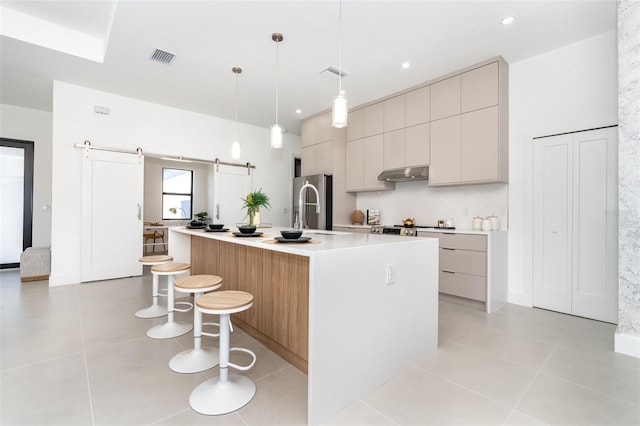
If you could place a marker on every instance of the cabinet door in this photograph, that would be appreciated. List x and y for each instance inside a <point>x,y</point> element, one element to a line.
<point>416,145</point>
<point>394,113</point>
<point>308,161</point>
<point>355,125</point>
<point>445,151</point>
<point>394,149</point>
<point>324,158</point>
<point>445,98</point>
<point>308,132</point>
<point>323,127</point>
<point>480,145</point>
<point>373,119</point>
<point>417,109</point>
<point>479,88</point>
<point>354,164</point>
<point>373,162</point>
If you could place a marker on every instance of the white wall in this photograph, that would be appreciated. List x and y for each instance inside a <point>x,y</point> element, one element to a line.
<point>155,128</point>
<point>34,125</point>
<point>428,204</point>
<point>567,89</point>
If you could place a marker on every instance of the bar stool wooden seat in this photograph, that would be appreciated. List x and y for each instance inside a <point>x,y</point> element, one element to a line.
<point>155,310</point>
<point>224,394</point>
<point>199,358</point>
<point>171,328</point>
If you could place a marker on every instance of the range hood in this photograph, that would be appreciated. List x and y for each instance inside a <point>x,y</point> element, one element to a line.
<point>405,174</point>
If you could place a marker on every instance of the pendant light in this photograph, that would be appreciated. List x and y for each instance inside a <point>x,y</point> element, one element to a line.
<point>339,113</point>
<point>235,146</point>
<point>276,130</point>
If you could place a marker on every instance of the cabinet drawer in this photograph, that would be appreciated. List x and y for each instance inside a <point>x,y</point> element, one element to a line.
<point>463,241</point>
<point>465,261</point>
<point>463,285</point>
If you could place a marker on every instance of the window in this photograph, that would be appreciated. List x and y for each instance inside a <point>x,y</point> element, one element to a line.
<point>177,193</point>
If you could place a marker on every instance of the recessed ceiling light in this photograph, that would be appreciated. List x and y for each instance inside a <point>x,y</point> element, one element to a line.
<point>298,111</point>
<point>406,65</point>
<point>508,20</point>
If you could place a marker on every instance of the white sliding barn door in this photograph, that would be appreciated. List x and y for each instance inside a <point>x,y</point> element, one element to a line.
<point>230,186</point>
<point>112,195</point>
<point>575,260</point>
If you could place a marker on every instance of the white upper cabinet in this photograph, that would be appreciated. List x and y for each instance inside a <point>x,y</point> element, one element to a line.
<point>479,88</point>
<point>445,98</point>
<point>394,113</point>
<point>308,133</point>
<point>355,125</point>
<point>324,130</point>
<point>417,109</point>
<point>373,119</point>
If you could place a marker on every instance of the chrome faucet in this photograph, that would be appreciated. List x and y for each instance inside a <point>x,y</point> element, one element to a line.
<point>301,204</point>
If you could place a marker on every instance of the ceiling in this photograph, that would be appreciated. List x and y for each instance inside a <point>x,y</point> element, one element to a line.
<point>210,37</point>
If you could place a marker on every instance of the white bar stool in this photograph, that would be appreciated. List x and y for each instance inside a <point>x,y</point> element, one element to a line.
<point>199,358</point>
<point>171,328</point>
<point>155,310</point>
<point>224,394</point>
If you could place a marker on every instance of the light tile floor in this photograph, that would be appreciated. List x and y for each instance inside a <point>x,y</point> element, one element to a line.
<point>76,355</point>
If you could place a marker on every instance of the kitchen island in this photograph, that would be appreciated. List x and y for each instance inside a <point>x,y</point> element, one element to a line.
<point>350,310</point>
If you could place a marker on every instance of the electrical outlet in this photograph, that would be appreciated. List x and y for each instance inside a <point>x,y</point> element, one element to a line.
<point>391,274</point>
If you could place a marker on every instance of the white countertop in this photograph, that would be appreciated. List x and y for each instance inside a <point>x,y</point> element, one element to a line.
<point>327,240</point>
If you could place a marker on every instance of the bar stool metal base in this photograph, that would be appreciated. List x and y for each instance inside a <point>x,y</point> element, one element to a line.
<point>153,311</point>
<point>213,397</point>
<point>194,361</point>
<point>169,330</point>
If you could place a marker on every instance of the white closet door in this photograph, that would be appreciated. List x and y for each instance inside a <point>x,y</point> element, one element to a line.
<point>552,240</point>
<point>230,186</point>
<point>595,225</point>
<point>112,194</point>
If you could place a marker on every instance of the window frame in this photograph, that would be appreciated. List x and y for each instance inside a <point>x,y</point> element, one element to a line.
<point>189,194</point>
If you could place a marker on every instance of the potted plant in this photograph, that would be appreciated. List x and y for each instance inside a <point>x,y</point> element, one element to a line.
<point>202,218</point>
<point>253,202</point>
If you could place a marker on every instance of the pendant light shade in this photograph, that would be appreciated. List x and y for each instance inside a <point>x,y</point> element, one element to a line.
<point>276,136</point>
<point>276,130</point>
<point>340,109</point>
<point>235,146</point>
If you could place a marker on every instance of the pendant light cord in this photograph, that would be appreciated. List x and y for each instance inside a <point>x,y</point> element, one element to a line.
<point>236,106</point>
<point>277,79</point>
<point>340,49</point>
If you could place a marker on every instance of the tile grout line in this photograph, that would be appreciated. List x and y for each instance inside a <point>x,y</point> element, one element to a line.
<point>378,411</point>
<point>538,372</point>
<point>86,367</point>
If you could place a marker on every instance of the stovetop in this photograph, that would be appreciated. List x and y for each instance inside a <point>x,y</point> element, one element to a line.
<point>423,227</point>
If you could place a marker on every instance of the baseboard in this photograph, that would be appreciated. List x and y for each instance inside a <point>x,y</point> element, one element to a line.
<point>35,278</point>
<point>627,345</point>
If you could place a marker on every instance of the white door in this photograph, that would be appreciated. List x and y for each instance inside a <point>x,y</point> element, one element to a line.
<point>575,247</point>
<point>595,225</point>
<point>230,186</point>
<point>12,202</point>
<point>552,214</point>
<point>112,194</point>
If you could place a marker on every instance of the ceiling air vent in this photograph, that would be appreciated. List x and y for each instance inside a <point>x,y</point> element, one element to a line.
<point>162,56</point>
<point>334,72</point>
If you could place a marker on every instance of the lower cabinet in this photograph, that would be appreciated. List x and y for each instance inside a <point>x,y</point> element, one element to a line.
<point>473,266</point>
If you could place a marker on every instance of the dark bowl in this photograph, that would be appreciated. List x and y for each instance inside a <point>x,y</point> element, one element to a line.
<point>291,235</point>
<point>196,223</point>
<point>247,229</point>
<point>216,226</point>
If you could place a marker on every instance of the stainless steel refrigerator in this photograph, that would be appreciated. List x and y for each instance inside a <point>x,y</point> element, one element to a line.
<point>313,220</point>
